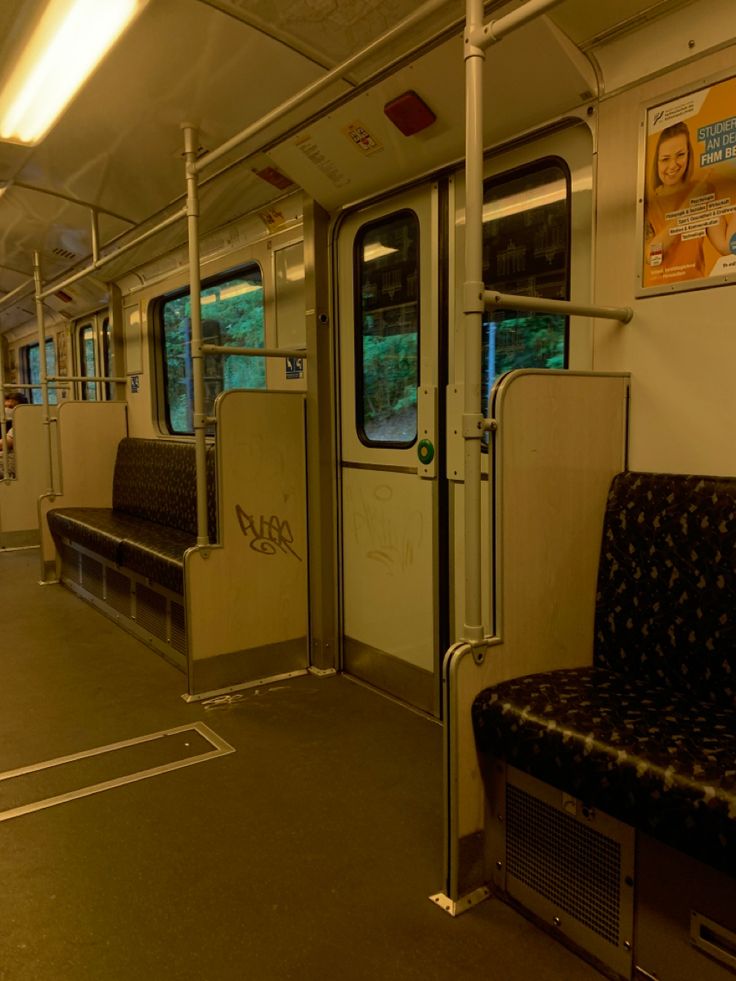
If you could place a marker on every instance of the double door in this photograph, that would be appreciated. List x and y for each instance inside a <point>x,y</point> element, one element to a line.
<point>399,266</point>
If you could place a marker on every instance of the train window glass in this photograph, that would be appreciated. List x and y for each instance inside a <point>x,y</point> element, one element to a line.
<point>387,330</point>
<point>232,314</point>
<point>291,329</point>
<point>526,232</point>
<point>108,355</point>
<point>31,370</point>
<point>87,361</point>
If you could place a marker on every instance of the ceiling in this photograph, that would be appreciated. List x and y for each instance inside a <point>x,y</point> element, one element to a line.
<point>222,64</point>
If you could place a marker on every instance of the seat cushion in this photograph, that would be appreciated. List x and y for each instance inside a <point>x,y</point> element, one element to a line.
<point>666,598</point>
<point>156,479</point>
<point>157,552</point>
<point>647,754</point>
<point>101,530</point>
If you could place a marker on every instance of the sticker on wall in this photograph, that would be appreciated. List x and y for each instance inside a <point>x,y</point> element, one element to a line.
<point>312,152</point>
<point>272,218</point>
<point>294,368</point>
<point>362,139</point>
<point>687,194</point>
<point>135,383</point>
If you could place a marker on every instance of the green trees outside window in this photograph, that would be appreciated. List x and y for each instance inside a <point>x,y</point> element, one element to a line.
<point>387,330</point>
<point>232,314</point>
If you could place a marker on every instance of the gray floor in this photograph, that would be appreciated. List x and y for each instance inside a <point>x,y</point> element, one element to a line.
<point>308,853</point>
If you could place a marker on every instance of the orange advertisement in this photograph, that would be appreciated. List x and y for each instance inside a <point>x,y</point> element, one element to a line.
<point>690,189</point>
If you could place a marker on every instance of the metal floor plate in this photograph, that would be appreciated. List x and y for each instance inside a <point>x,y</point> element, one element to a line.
<point>51,782</point>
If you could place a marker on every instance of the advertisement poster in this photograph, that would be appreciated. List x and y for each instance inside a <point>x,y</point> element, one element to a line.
<point>689,233</point>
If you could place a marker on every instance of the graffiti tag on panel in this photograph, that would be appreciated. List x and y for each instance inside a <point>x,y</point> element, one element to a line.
<point>267,535</point>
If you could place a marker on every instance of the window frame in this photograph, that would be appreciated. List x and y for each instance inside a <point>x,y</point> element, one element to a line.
<point>26,371</point>
<point>538,165</point>
<point>358,334</point>
<point>157,309</point>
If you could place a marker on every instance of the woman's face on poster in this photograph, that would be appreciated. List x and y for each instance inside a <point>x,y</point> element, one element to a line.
<point>672,160</point>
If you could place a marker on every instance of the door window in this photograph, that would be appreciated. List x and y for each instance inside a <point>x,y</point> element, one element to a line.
<point>232,314</point>
<point>526,234</point>
<point>87,361</point>
<point>387,330</point>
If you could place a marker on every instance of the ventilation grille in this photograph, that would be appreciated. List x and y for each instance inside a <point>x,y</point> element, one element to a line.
<point>178,628</point>
<point>70,564</point>
<point>150,611</point>
<point>117,591</point>
<point>92,576</point>
<point>565,861</point>
<point>64,253</point>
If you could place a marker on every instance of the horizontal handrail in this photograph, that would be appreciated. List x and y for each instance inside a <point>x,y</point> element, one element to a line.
<point>98,263</point>
<point>495,30</point>
<point>86,378</point>
<point>259,352</point>
<point>317,86</point>
<point>539,304</point>
<point>27,286</point>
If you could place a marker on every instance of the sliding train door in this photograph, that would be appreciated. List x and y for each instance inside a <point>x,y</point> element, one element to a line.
<point>388,259</point>
<point>537,241</point>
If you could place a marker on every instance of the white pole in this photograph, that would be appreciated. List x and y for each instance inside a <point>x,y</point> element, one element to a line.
<point>191,143</point>
<point>42,366</point>
<point>538,304</point>
<point>334,75</point>
<point>472,318</point>
<point>494,30</point>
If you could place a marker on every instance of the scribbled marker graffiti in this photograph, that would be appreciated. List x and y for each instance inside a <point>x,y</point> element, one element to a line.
<point>266,535</point>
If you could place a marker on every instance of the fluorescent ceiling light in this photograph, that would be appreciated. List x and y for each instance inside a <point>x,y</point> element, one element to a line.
<point>376,250</point>
<point>238,289</point>
<point>513,204</point>
<point>295,273</point>
<point>69,40</point>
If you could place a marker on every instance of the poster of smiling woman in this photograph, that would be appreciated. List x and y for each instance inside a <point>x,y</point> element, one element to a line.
<point>689,191</point>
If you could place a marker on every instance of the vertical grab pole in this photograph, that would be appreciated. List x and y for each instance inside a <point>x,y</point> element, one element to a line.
<point>42,366</point>
<point>191,142</point>
<point>4,455</point>
<point>473,314</point>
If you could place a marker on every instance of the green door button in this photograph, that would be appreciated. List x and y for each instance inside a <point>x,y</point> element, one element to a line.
<point>425,451</point>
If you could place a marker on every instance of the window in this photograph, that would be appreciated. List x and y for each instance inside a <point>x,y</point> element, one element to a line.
<point>526,232</point>
<point>31,370</point>
<point>232,314</point>
<point>108,356</point>
<point>87,361</point>
<point>387,330</point>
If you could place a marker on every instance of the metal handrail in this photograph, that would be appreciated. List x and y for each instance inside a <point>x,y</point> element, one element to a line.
<point>540,304</point>
<point>314,88</point>
<point>253,352</point>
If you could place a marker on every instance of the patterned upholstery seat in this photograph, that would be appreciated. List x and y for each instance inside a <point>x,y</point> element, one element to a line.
<point>648,733</point>
<point>153,520</point>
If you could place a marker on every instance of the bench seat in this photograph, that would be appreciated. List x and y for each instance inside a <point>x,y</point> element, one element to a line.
<point>157,552</point>
<point>646,754</point>
<point>146,547</point>
<point>153,520</point>
<point>647,733</point>
<point>100,530</point>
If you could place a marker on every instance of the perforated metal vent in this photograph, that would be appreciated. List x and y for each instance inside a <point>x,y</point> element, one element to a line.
<point>178,628</point>
<point>150,611</point>
<point>117,591</point>
<point>70,564</point>
<point>564,860</point>
<point>92,576</point>
<point>64,253</point>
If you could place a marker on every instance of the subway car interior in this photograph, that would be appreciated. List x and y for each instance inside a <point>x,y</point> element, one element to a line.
<point>368,490</point>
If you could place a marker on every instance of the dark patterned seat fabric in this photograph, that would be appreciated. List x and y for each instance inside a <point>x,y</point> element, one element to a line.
<point>648,733</point>
<point>153,520</point>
